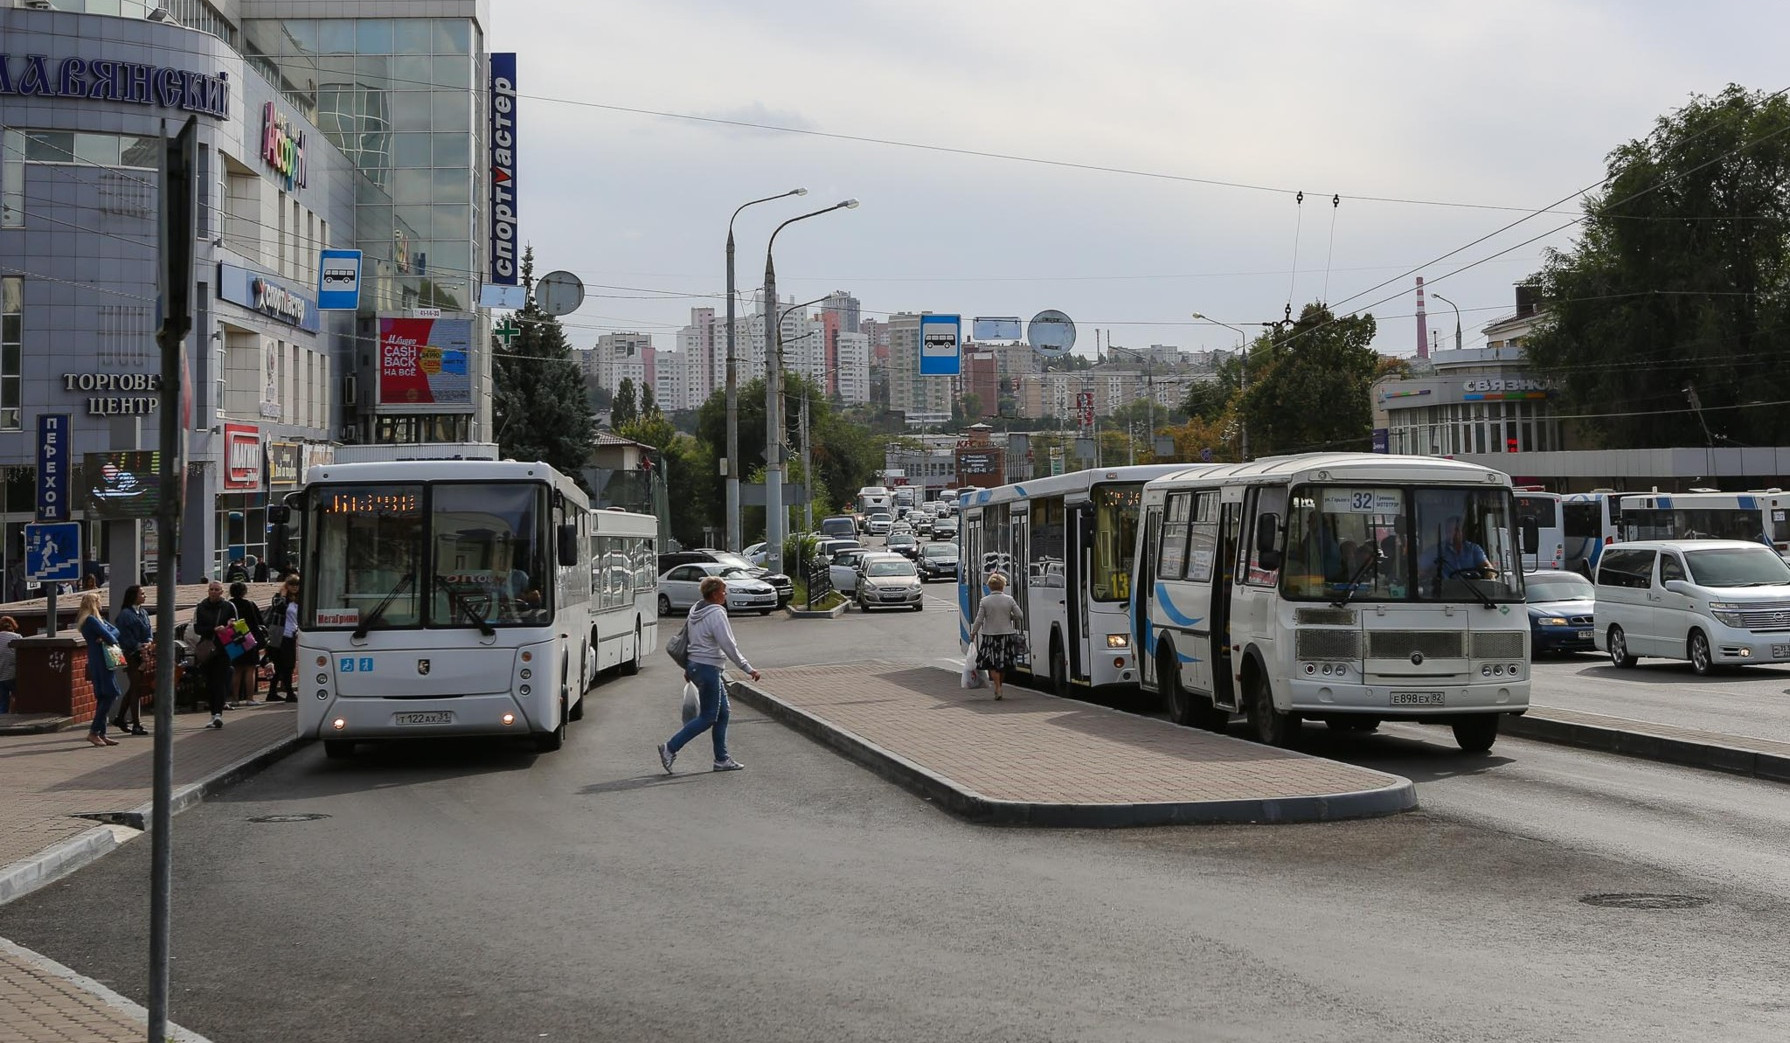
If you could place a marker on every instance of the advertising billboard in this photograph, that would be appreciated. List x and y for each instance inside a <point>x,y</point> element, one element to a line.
<point>123,485</point>
<point>425,363</point>
<point>503,168</point>
<point>242,458</point>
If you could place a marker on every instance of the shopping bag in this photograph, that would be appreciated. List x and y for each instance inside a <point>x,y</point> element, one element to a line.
<point>225,634</point>
<point>235,651</point>
<point>972,677</point>
<point>247,641</point>
<point>692,702</point>
<point>241,626</point>
<point>114,657</point>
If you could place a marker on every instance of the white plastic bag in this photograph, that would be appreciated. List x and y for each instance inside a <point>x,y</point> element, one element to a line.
<point>972,677</point>
<point>692,702</point>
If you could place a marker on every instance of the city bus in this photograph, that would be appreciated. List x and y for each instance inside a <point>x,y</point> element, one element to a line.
<point>443,597</point>
<point>1311,587</point>
<point>1544,538</point>
<point>1756,516</point>
<point>624,581</point>
<point>1589,521</point>
<point>1064,543</point>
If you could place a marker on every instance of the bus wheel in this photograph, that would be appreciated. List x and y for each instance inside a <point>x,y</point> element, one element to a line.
<point>1617,643</point>
<point>1059,670</point>
<point>338,749</point>
<point>1476,734</point>
<point>1176,702</point>
<point>632,666</point>
<point>1267,725</point>
<point>547,742</point>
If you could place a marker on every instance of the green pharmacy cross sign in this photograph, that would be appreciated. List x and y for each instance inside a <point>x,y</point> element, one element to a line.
<point>506,332</point>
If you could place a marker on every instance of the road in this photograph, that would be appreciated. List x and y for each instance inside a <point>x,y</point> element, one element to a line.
<point>1753,700</point>
<point>482,892</point>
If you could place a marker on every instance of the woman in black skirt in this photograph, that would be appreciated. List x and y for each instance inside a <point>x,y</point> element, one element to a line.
<point>996,631</point>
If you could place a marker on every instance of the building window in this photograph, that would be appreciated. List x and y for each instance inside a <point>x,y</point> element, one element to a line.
<point>12,324</point>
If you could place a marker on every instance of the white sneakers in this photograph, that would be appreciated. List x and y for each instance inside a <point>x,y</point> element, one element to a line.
<point>728,765</point>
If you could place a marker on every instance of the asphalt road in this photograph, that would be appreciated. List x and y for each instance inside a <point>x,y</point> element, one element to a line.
<point>482,892</point>
<point>1752,700</point>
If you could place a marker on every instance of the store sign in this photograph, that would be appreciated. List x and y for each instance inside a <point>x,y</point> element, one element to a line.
<point>283,463</point>
<point>978,462</point>
<point>104,79</point>
<point>277,301</point>
<point>503,168</point>
<point>283,148</point>
<point>54,433</point>
<point>1506,384</point>
<point>121,394</point>
<point>242,457</point>
<point>275,298</point>
<point>426,363</point>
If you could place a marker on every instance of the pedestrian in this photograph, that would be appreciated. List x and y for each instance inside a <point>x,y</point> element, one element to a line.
<point>9,661</point>
<point>136,637</point>
<point>245,681</point>
<point>995,632</point>
<point>257,569</point>
<point>237,572</point>
<point>100,636</point>
<point>282,639</point>
<point>711,644</point>
<point>212,613</point>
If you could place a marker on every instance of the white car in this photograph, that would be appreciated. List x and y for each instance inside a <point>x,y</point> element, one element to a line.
<point>843,570</point>
<point>756,554</point>
<point>878,524</point>
<point>889,581</point>
<point>681,587</point>
<point>1714,602</point>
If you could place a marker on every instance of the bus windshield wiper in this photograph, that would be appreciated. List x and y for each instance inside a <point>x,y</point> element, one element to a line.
<point>464,607</point>
<point>1356,578</point>
<point>1465,574</point>
<point>384,603</point>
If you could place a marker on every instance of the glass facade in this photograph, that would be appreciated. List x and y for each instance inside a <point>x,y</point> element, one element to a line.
<point>403,98</point>
<point>1474,427</point>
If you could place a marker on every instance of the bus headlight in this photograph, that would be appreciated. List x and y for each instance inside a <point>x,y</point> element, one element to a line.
<point>322,678</point>
<point>525,689</point>
<point>1118,640</point>
<point>527,673</point>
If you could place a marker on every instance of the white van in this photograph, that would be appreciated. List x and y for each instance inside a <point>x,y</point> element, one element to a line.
<point>1713,602</point>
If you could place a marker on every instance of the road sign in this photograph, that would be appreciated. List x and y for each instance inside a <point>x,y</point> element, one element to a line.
<point>1050,333</point>
<point>940,351</point>
<point>559,293</point>
<point>338,280</point>
<point>53,552</point>
<point>54,444</point>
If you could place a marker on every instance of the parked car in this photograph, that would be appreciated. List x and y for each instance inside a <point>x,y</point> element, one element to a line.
<point>756,554</point>
<point>680,587</point>
<point>1713,602</point>
<point>904,543</point>
<point>878,524</point>
<point>785,587</point>
<point>1561,610</point>
<point>842,569</point>
<point>937,561</point>
<point>889,582</point>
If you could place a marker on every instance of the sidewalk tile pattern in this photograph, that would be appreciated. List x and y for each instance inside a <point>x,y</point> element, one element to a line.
<point>37,1006</point>
<point>1037,748</point>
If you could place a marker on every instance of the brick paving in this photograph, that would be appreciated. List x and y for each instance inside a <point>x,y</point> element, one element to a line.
<point>1036,748</point>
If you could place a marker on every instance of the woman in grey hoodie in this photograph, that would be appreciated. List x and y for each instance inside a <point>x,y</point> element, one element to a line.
<point>711,645</point>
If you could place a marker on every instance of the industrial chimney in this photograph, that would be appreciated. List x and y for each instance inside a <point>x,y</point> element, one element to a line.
<point>1423,326</point>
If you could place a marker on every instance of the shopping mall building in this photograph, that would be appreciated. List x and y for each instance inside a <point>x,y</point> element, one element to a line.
<point>321,124</point>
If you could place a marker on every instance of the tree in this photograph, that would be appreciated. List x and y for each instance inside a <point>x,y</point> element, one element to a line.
<point>1675,294</point>
<point>1310,385</point>
<point>625,410</point>
<point>537,398</point>
<point>648,404</point>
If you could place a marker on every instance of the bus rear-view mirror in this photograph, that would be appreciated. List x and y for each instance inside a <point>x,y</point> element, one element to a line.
<point>568,545</point>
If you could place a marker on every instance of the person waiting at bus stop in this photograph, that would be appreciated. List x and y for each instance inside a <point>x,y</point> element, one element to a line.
<point>711,645</point>
<point>1456,556</point>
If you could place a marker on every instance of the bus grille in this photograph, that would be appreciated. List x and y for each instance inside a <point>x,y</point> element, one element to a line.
<point>1402,644</point>
<point>1327,644</point>
<point>1333,617</point>
<point>1504,644</point>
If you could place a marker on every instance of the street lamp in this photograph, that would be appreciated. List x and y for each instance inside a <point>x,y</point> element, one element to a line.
<point>1242,381</point>
<point>1457,318</point>
<point>1149,388</point>
<point>807,456</point>
<point>734,542</point>
<point>773,448</point>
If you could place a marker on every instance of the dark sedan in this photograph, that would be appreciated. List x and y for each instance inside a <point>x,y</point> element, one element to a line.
<point>938,561</point>
<point>1561,607</point>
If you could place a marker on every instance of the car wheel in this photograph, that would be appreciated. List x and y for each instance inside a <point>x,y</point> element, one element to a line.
<point>665,604</point>
<point>1618,646</point>
<point>1701,660</point>
<point>919,606</point>
<point>764,611</point>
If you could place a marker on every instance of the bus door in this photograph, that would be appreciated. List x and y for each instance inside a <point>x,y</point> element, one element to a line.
<point>1224,693</point>
<point>1143,589</point>
<point>1077,593</point>
<point>1262,551</point>
<point>1020,584</point>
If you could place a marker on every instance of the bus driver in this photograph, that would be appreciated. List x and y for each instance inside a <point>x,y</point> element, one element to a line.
<point>1455,556</point>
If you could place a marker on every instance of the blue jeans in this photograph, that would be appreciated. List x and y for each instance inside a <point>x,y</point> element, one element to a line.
<point>714,713</point>
<point>6,688</point>
<point>105,693</point>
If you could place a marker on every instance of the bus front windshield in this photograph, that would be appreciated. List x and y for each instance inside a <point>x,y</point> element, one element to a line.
<point>1115,533</point>
<point>1389,543</point>
<point>445,555</point>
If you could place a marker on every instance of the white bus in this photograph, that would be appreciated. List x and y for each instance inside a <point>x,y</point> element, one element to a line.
<point>1590,522</point>
<point>624,581</point>
<point>443,598</point>
<point>1759,517</point>
<point>1065,544</point>
<point>1544,537</point>
<point>1312,587</point>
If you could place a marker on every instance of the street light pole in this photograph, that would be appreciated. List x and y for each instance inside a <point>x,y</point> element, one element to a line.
<point>1242,380</point>
<point>734,541</point>
<point>1457,317</point>
<point>1149,389</point>
<point>773,446</point>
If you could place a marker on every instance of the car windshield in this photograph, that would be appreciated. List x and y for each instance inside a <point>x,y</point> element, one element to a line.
<point>1560,588</point>
<point>940,550</point>
<point>901,537</point>
<point>1737,567</point>
<point>891,568</point>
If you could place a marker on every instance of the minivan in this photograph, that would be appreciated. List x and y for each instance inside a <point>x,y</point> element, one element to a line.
<point>843,526</point>
<point>1713,602</point>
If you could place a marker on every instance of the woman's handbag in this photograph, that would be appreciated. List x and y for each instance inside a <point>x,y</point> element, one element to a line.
<point>206,651</point>
<point>275,638</point>
<point>114,657</point>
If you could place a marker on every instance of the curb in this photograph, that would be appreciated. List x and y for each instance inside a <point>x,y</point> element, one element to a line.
<point>820,613</point>
<point>1710,756</point>
<point>968,804</point>
<point>37,724</point>
<point>107,996</point>
<point>52,864</point>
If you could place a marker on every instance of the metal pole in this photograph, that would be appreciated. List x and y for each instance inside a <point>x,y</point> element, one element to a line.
<point>1457,317</point>
<point>734,542</point>
<point>807,469</point>
<point>773,421</point>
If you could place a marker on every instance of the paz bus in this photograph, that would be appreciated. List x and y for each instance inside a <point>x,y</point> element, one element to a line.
<point>1350,588</point>
<point>443,597</point>
<point>1759,517</point>
<point>1065,544</point>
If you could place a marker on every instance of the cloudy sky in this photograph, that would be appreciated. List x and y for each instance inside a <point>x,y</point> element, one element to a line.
<point>1129,162</point>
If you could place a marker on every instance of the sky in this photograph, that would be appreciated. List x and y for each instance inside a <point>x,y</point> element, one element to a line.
<point>1127,162</point>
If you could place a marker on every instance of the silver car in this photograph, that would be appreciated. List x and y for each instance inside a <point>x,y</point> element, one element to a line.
<point>889,582</point>
<point>681,587</point>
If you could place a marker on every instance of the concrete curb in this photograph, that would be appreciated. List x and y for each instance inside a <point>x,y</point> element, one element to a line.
<point>52,864</point>
<point>110,998</point>
<point>821,613</point>
<point>36,724</point>
<point>968,804</point>
<point>1690,753</point>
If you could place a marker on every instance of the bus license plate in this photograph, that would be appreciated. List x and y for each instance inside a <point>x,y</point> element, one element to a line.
<point>1780,651</point>
<point>426,717</point>
<point>1419,699</point>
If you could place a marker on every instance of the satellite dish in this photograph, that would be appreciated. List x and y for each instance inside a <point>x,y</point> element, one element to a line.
<point>559,293</point>
<point>1050,333</point>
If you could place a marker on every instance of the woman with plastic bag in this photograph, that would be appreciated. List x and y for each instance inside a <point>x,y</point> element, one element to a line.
<point>997,624</point>
<point>710,645</point>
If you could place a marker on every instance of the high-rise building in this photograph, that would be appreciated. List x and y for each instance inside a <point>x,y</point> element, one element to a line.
<point>909,392</point>
<point>623,356</point>
<point>842,304</point>
<point>851,368</point>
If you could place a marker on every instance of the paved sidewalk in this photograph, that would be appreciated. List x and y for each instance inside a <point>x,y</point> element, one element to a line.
<point>1034,759</point>
<point>64,803</point>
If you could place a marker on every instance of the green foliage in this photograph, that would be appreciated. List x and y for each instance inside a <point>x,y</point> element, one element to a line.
<point>538,404</point>
<point>648,403</point>
<point>626,408</point>
<point>1678,282</point>
<point>1310,385</point>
